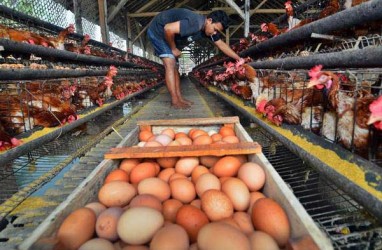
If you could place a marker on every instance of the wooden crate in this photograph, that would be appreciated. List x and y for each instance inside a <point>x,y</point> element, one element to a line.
<point>275,188</point>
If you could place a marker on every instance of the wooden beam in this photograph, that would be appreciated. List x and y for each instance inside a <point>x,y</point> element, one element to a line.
<point>236,8</point>
<point>181,3</point>
<point>102,8</point>
<point>129,44</point>
<point>147,5</point>
<point>227,36</point>
<point>259,11</point>
<point>140,32</point>
<point>77,17</point>
<point>116,10</point>
<point>246,17</point>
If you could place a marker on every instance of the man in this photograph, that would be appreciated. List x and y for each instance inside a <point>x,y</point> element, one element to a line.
<point>172,30</point>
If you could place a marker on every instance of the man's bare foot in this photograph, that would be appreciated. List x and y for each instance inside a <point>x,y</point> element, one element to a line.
<point>187,101</point>
<point>180,105</point>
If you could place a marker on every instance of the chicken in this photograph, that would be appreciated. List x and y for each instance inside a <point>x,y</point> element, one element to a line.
<point>83,49</point>
<point>352,113</point>
<point>332,7</point>
<point>271,28</point>
<point>375,117</point>
<point>6,141</point>
<point>58,42</point>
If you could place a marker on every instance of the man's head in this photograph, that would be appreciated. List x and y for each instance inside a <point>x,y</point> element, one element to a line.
<point>216,21</point>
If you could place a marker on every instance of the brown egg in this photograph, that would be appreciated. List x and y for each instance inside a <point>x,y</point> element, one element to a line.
<point>145,135</point>
<point>153,144</point>
<point>206,182</point>
<point>156,187</point>
<point>197,172</point>
<point>216,205</point>
<point>128,164</point>
<point>97,207</point>
<point>218,235</point>
<point>163,139</point>
<point>254,196</point>
<point>216,137</point>
<point>165,174</point>
<point>196,203</point>
<point>176,176</point>
<point>97,243</point>
<point>116,194</point>
<point>231,139</point>
<point>184,141</point>
<point>223,179</point>
<point>174,143</point>
<point>180,134</point>
<point>185,165</point>
<point>192,219</point>
<point>136,247</point>
<point>182,190</point>
<point>227,166</point>
<point>142,171</point>
<point>170,209</point>
<point>194,246</point>
<point>209,160</point>
<point>106,225</point>
<point>77,228</point>
<point>244,221</point>
<point>198,133</point>
<point>252,175</point>
<point>137,218</point>
<point>230,221</point>
<point>170,236</point>
<point>202,140</point>
<point>225,131</point>
<point>152,138</point>
<point>260,240</point>
<point>117,175</point>
<point>167,162</point>
<point>146,200</point>
<point>169,132</point>
<point>191,131</point>
<point>237,192</point>
<point>268,216</point>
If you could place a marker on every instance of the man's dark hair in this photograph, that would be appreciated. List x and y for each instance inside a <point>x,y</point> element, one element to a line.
<point>219,16</point>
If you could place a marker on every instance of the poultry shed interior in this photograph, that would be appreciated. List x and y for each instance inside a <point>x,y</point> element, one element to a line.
<point>76,77</point>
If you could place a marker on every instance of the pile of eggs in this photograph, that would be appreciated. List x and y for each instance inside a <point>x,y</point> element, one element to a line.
<point>205,202</point>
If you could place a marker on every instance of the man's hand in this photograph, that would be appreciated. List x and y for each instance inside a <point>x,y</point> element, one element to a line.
<point>176,52</point>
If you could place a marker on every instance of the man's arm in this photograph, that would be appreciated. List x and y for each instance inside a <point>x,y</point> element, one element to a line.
<point>226,49</point>
<point>170,30</point>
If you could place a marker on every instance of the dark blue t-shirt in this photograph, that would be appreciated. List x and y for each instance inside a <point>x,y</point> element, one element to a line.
<point>191,25</point>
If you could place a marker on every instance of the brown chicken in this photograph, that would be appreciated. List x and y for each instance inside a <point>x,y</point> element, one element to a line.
<point>59,41</point>
<point>332,7</point>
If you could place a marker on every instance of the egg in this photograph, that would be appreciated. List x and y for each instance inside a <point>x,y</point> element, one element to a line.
<point>227,166</point>
<point>209,160</point>
<point>237,192</point>
<point>244,221</point>
<point>182,190</point>
<point>230,139</point>
<point>192,219</point>
<point>116,194</point>
<point>145,135</point>
<point>171,236</point>
<point>167,162</point>
<point>196,203</point>
<point>165,174</point>
<point>142,171</point>
<point>169,132</point>
<point>185,165</point>
<point>155,187</point>
<point>226,131</point>
<point>163,139</point>
<point>153,144</point>
<point>216,205</point>
<point>128,164</point>
<point>117,175</point>
<point>146,200</point>
<point>216,137</point>
<point>170,209</point>
<point>97,207</point>
<point>133,227</point>
<point>198,133</point>
<point>260,240</point>
<point>230,221</point>
<point>184,140</point>
<point>211,132</point>
<point>254,196</point>
<point>97,244</point>
<point>176,176</point>
<point>136,247</point>
<point>106,225</point>
<point>202,140</point>
<point>268,216</point>
<point>197,172</point>
<point>77,228</point>
<point>206,182</point>
<point>173,143</point>
<point>180,134</point>
<point>218,235</point>
<point>252,175</point>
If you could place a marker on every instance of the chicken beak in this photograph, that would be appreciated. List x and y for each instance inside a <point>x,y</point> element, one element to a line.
<point>373,119</point>
<point>313,83</point>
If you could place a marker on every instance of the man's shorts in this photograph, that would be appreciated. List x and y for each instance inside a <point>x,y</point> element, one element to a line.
<point>160,46</point>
